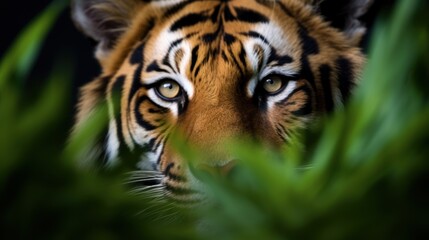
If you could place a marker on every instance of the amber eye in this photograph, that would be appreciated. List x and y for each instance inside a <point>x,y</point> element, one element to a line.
<point>272,84</point>
<point>168,89</point>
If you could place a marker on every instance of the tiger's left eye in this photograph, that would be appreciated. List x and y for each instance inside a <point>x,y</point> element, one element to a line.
<point>272,84</point>
<point>169,89</point>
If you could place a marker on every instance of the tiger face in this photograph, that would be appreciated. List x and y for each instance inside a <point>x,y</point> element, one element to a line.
<point>213,70</point>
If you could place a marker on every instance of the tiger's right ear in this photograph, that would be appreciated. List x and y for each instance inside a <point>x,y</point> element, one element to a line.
<point>104,21</point>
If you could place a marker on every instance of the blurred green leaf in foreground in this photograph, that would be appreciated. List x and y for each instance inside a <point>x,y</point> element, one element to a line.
<point>368,171</point>
<point>364,173</point>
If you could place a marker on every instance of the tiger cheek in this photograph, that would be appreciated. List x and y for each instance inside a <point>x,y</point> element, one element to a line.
<point>287,118</point>
<point>169,162</point>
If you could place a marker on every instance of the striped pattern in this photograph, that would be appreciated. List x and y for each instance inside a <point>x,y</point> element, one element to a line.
<point>220,53</point>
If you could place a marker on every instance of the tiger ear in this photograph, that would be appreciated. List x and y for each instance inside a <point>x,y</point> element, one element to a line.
<point>345,15</point>
<point>104,21</point>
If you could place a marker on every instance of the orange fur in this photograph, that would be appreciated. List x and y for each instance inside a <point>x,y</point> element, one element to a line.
<point>219,108</point>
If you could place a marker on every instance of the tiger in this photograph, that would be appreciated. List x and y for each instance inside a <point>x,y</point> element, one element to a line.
<point>214,70</point>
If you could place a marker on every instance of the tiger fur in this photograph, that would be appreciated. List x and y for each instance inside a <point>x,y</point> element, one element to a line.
<point>214,70</point>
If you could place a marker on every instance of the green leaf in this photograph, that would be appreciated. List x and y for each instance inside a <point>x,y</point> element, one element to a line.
<point>16,64</point>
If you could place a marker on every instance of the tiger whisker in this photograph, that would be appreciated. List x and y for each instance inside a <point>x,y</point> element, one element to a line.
<point>148,188</point>
<point>157,210</point>
<point>145,176</point>
<point>146,172</point>
<point>166,216</point>
<point>141,180</point>
<point>153,206</point>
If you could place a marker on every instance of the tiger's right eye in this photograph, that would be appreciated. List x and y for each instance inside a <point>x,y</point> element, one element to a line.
<point>272,84</point>
<point>168,89</point>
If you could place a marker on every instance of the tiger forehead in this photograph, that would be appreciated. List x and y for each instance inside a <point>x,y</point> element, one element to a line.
<point>217,34</point>
<point>214,22</point>
<point>220,22</point>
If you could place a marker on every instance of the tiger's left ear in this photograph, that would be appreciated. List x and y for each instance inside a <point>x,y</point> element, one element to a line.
<point>344,15</point>
<point>104,21</point>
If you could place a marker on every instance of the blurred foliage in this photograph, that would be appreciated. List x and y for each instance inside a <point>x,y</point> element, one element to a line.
<point>364,173</point>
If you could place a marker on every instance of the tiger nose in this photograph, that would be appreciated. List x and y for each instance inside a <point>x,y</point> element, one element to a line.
<point>223,169</point>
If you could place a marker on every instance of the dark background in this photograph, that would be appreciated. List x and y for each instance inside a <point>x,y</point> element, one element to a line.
<point>65,40</point>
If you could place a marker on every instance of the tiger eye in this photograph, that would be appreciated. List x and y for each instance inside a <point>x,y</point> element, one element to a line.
<point>169,89</point>
<point>272,84</point>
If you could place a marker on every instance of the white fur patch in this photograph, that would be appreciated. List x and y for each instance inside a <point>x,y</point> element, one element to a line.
<point>149,160</point>
<point>291,85</point>
<point>166,3</point>
<point>279,42</point>
<point>112,147</point>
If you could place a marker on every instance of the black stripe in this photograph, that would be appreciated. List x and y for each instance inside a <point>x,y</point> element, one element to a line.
<point>139,116</point>
<point>285,9</point>
<point>100,91</point>
<point>117,92</point>
<point>215,16</point>
<point>151,144</point>
<point>228,16</point>
<point>176,178</point>
<point>137,55</point>
<point>154,67</point>
<point>136,84</point>
<point>149,26</point>
<point>306,71</point>
<point>157,111</point>
<point>281,60</point>
<point>166,59</point>
<point>250,16</point>
<point>284,60</point>
<point>345,76</point>
<point>183,103</point>
<point>160,139</point>
<point>309,47</point>
<point>224,57</point>
<point>116,101</point>
<point>194,57</point>
<point>229,39</point>
<point>188,21</point>
<point>255,35</point>
<point>304,88</point>
<point>209,37</point>
<point>325,77</point>
<point>305,110</point>
<point>308,107</point>
<point>281,132</point>
<point>101,140</point>
<point>197,70</point>
<point>145,182</point>
<point>309,44</point>
<point>242,56</point>
<point>168,169</point>
<point>235,60</point>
